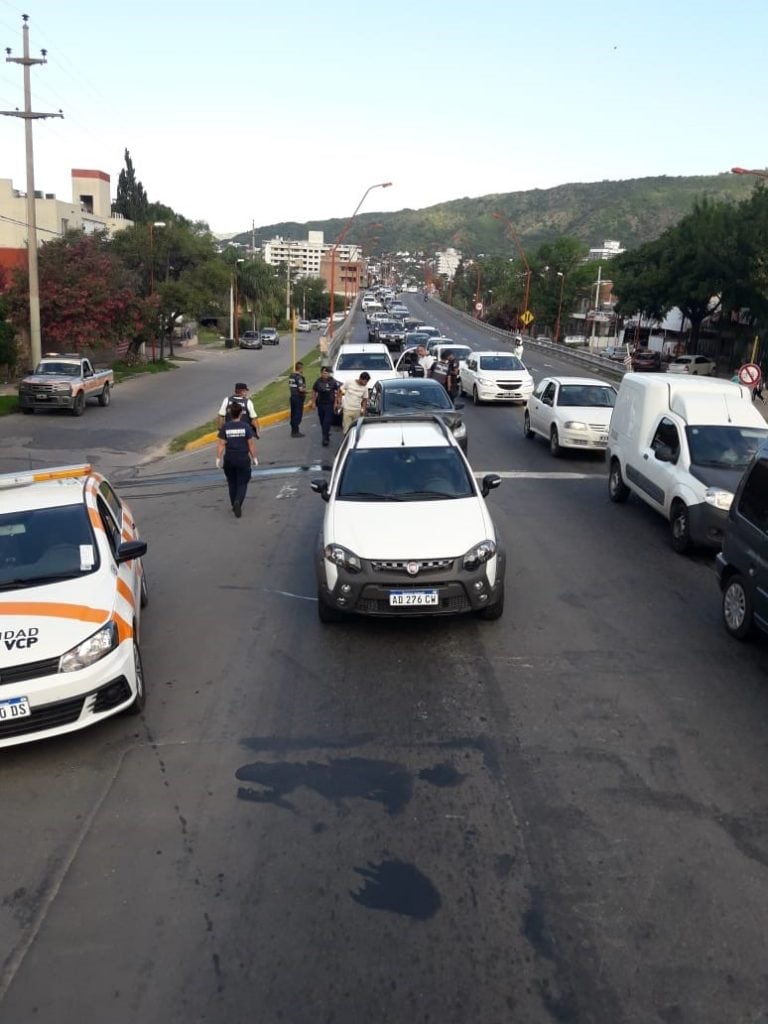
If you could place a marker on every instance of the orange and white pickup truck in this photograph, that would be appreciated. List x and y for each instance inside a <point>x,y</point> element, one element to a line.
<point>64,382</point>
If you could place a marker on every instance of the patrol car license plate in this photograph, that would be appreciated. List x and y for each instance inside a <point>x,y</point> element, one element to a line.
<point>412,597</point>
<point>16,707</point>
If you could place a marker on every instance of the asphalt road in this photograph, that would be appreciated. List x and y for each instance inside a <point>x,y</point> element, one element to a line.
<point>558,817</point>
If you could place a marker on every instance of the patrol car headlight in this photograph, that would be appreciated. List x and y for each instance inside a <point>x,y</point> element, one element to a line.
<point>479,554</point>
<point>91,650</point>
<point>720,499</point>
<point>343,557</point>
<point>574,425</point>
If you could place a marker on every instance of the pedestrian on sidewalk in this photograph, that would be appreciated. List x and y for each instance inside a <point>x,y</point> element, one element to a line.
<point>237,447</point>
<point>297,386</point>
<point>354,400</point>
<point>325,398</point>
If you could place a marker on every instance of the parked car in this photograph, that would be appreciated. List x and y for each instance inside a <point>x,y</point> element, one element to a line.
<point>616,353</point>
<point>412,397</point>
<point>304,326</point>
<point>269,336</point>
<point>694,365</point>
<point>250,339</point>
<point>65,382</point>
<point>495,377</point>
<point>406,529</point>
<point>570,412</point>
<point>681,446</point>
<point>314,325</point>
<point>645,359</point>
<point>742,564</point>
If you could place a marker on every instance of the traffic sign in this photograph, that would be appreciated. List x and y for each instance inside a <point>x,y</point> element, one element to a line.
<point>527,317</point>
<point>750,374</point>
<point>478,306</point>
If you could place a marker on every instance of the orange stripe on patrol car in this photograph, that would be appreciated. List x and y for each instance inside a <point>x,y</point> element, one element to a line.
<point>125,591</point>
<point>124,629</point>
<point>54,611</point>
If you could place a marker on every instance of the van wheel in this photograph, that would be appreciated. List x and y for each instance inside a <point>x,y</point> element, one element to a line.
<point>617,489</point>
<point>554,443</point>
<point>527,432</point>
<point>79,406</point>
<point>681,528</point>
<point>737,608</point>
<point>476,396</point>
<point>137,705</point>
<point>104,396</point>
<point>494,611</point>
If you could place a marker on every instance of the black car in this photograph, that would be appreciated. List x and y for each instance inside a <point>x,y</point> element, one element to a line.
<point>389,333</point>
<point>413,396</point>
<point>269,336</point>
<point>742,564</point>
<point>250,339</point>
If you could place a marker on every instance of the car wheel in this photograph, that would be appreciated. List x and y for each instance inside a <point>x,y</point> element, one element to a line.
<point>137,704</point>
<point>493,611</point>
<point>326,612</point>
<point>476,396</point>
<point>737,608</point>
<point>554,443</point>
<point>527,425</point>
<point>681,528</point>
<point>27,411</point>
<point>79,407</point>
<point>144,592</point>
<point>105,396</point>
<point>462,392</point>
<point>617,489</point>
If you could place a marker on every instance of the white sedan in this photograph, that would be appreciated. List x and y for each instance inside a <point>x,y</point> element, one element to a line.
<point>495,377</point>
<point>697,365</point>
<point>570,412</point>
<point>303,326</point>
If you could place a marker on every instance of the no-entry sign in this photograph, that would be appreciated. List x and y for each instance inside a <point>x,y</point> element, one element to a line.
<point>750,374</point>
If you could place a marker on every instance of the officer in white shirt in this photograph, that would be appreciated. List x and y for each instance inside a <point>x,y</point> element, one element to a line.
<point>242,398</point>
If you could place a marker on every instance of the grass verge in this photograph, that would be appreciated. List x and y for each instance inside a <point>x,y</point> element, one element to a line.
<point>8,404</point>
<point>123,370</point>
<point>273,397</point>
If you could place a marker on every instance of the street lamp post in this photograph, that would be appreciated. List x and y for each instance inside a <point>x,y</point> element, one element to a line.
<point>521,251</point>
<point>561,275</point>
<point>597,302</point>
<point>339,240</point>
<point>234,302</point>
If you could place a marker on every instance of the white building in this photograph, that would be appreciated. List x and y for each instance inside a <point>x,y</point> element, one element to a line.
<point>305,256</point>
<point>447,262</point>
<point>607,251</point>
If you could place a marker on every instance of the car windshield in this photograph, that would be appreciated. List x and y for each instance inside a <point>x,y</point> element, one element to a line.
<point>412,396</point>
<point>460,351</point>
<point>724,447</point>
<point>60,369</point>
<point>364,361</point>
<point>586,396</point>
<point>45,545</point>
<point>500,363</point>
<point>405,474</point>
<point>682,360</point>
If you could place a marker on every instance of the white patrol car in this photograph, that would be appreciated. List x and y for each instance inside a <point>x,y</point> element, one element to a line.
<point>72,586</point>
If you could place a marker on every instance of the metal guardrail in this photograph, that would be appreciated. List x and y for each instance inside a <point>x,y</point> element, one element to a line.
<point>586,359</point>
<point>340,334</point>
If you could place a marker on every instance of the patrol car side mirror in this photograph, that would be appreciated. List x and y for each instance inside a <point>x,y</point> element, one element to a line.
<point>131,549</point>
<point>490,482</point>
<point>320,487</point>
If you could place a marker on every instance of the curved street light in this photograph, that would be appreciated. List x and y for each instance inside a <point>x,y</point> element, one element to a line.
<point>500,216</point>
<point>340,239</point>
<point>561,275</point>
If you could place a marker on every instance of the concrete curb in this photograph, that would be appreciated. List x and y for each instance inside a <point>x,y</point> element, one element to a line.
<point>264,421</point>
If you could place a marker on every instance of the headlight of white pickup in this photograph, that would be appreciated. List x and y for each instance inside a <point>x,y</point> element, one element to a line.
<point>479,554</point>
<point>574,425</point>
<point>720,499</point>
<point>91,650</point>
<point>342,557</point>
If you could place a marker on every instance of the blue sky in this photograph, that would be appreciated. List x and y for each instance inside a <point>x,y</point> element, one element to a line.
<point>239,111</point>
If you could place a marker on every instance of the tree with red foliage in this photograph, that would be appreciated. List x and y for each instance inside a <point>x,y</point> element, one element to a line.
<point>88,299</point>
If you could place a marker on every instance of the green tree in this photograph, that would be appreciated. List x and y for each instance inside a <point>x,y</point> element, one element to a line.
<point>8,347</point>
<point>131,200</point>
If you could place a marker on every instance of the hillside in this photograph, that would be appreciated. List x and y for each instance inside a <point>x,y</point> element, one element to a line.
<point>633,211</point>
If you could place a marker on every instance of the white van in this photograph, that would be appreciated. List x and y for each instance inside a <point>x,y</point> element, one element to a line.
<point>682,445</point>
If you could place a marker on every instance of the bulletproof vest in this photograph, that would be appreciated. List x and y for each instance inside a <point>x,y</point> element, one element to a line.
<point>240,401</point>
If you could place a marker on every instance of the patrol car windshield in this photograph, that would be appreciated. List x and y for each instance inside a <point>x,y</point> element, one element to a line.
<point>59,369</point>
<point>45,545</point>
<point>500,363</point>
<point>364,361</point>
<point>404,474</point>
<point>724,447</point>
<point>415,396</point>
<point>586,396</point>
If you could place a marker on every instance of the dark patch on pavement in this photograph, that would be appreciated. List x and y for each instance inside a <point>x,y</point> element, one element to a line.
<point>398,887</point>
<point>444,775</point>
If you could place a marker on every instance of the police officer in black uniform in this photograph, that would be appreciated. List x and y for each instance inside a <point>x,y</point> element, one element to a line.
<point>237,446</point>
<point>297,385</point>
<point>325,398</point>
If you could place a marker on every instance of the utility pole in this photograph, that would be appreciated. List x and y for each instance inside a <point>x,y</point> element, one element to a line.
<point>597,301</point>
<point>288,290</point>
<point>29,116</point>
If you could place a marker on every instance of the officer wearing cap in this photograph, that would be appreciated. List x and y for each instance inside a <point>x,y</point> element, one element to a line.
<point>242,398</point>
<point>325,398</point>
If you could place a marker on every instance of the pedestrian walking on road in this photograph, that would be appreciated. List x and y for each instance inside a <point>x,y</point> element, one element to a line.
<point>237,448</point>
<point>325,398</point>
<point>354,400</point>
<point>297,386</point>
<point>242,398</point>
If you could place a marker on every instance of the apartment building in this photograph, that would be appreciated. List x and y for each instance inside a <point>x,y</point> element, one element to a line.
<point>306,257</point>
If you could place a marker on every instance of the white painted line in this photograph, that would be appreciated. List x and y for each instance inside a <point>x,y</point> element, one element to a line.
<point>287,491</point>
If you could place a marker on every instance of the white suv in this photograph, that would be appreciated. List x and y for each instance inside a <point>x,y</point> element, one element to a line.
<point>390,470</point>
<point>495,377</point>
